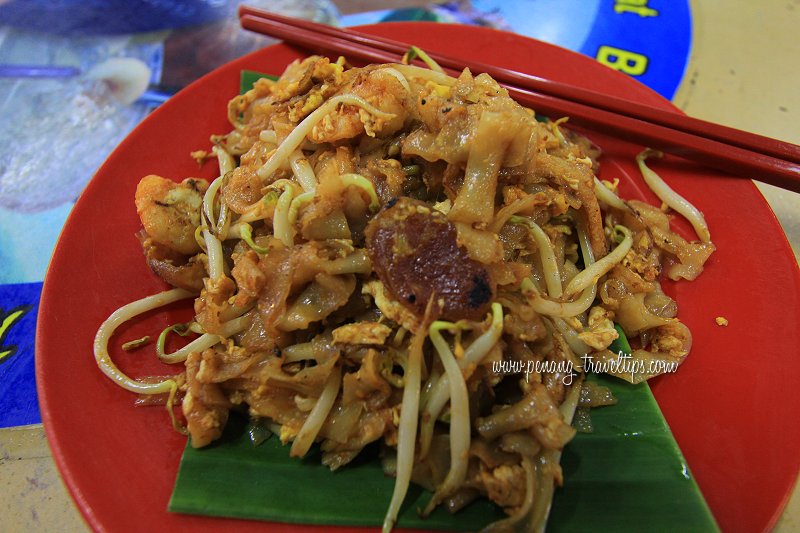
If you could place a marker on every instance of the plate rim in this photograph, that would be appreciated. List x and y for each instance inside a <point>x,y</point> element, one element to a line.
<point>65,469</point>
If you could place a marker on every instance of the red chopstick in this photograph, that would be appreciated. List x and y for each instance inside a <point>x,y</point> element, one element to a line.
<point>734,151</point>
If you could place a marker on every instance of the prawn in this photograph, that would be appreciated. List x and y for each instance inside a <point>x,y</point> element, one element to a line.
<point>170,211</point>
<point>379,88</point>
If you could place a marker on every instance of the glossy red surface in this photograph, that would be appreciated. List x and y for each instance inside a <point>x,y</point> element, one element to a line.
<point>732,406</point>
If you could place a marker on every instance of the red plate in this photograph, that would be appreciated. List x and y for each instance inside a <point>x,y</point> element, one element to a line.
<point>732,406</point>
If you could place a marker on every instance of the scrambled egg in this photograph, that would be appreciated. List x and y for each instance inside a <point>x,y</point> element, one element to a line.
<point>362,333</point>
<point>601,332</point>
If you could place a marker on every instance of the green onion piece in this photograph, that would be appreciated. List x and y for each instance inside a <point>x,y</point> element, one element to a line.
<point>415,52</point>
<point>620,344</point>
<point>411,170</point>
<point>410,55</point>
<point>246,233</point>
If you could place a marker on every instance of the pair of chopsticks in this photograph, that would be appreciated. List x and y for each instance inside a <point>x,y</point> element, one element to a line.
<point>734,151</point>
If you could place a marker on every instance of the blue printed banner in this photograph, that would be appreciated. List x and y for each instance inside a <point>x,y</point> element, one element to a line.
<point>649,41</point>
<point>646,39</point>
<point>19,304</point>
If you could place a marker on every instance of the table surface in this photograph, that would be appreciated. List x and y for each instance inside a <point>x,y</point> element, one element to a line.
<point>742,73</point>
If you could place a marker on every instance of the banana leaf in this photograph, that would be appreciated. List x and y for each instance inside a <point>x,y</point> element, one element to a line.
<point>248,77</point>
<point>627,475</point>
